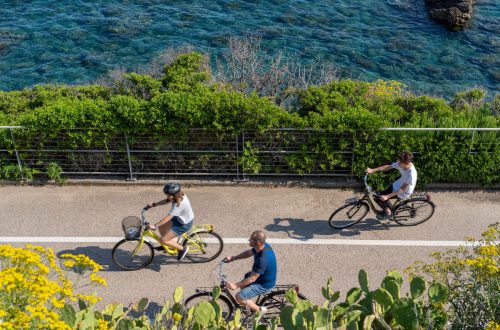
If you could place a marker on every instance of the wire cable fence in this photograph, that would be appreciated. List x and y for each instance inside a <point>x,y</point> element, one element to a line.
<point>201,152</point>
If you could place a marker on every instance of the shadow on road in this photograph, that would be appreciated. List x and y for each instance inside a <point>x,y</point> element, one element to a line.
<point>302,229</point>
<point>103,257</point>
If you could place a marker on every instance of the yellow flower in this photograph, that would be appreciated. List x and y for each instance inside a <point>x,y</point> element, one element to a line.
<point>488,250</point>
<point>103,325</point>
<point>177,317</point>
<point>492,325</point>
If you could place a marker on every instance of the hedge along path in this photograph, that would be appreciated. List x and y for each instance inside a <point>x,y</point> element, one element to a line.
<point>186,96</point>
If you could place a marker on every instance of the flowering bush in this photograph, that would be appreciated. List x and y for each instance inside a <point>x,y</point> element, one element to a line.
<point>33,287</point>
<point>473,280</point>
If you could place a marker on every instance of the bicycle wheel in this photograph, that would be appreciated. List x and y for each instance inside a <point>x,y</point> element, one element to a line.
<point>224,302</point>
<point>348,215</point>
<point>274,302</point>
<point>413,211</point>
<point>204,246</point>
<point>126,257</point>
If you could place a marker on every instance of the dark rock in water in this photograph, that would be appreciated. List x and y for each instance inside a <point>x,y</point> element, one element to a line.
<point>3,47</point>
<point>455,14</point>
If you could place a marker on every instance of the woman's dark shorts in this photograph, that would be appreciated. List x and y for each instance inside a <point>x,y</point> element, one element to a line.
<point>180,228</point>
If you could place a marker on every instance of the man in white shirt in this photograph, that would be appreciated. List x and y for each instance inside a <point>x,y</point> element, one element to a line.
<point>178,221</point>
<point>402,188</point>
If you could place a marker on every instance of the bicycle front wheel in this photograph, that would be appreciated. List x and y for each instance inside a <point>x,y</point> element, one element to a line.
<point>130,255</point>
<point>204,246</point>
<point>224,302</point>
<point>348,215</point>
<point>413,212</point>
<point>274,302</point>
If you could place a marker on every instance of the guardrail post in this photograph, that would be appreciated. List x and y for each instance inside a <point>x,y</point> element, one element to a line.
<point>471,142</point>
<point>237,157</point>
<point>243,146</point>
<point>17,154</point>
<point>131,175</point>
<point>240,173</point>
<point>352,155</point>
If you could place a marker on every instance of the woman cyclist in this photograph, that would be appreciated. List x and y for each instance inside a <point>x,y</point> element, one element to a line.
<point>178,221</point>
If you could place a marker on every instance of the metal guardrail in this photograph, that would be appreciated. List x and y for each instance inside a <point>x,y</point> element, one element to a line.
<point>276,152</point>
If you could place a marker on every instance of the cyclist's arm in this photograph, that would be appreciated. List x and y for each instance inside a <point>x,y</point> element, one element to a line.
<point>247,281</point>
<point>162,202</point>
<point>164,220</point>
<point>243,255</point>
<point>378,169</point>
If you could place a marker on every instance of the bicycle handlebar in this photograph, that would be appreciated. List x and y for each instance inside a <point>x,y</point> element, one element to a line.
<point>222,276</point>
<point>365,179</point>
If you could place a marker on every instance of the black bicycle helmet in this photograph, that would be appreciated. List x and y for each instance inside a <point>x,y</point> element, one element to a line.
<point>171,188</point>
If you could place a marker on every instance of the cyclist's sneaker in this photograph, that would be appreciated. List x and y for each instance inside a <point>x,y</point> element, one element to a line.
<point>384,216</point>
<point>263,310</point>
<point>182,253</point>
<point>159,248</point>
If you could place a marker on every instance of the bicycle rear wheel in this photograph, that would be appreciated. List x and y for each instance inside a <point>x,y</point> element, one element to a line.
<point>413,212</point>
<point>204,246</point>
<point>128,255</point>
<point>224,302</point>
<point>348,215</point>
<point>274,302</point>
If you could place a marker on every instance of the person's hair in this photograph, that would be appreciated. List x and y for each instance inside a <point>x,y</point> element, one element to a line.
<point>406,157</point>
<point>259,236</point>
<point>178,197</point>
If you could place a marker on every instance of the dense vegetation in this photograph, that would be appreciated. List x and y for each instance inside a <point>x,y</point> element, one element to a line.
<point>186,95</point>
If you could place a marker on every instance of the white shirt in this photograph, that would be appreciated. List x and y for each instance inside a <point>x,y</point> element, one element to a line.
<point>183,211</point>
<point>408,176</point>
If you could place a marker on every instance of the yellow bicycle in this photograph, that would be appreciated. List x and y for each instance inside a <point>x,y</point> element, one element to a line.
<point>135,251</point>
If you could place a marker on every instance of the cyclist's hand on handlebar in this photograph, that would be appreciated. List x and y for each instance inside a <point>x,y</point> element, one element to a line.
<point>231,286</point>
<point>151,204</point>
<point>383,198</point>
<point>152,227</point>
<point>369,170</point>
<point>228,259</point>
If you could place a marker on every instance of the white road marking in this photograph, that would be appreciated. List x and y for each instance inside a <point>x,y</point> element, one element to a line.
<point>277,241</point>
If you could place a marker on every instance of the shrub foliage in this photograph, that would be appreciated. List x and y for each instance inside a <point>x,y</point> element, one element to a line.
<point>187,96</point>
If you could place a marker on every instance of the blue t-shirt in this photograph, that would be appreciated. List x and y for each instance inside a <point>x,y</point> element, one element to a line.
<point>265,265</point>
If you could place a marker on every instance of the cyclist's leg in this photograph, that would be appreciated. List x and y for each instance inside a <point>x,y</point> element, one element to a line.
<point>169,234</point>
<point>384,204</point>
<point>244,297</point>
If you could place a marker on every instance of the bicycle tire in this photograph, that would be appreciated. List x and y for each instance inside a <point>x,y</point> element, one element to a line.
<point>406,213</point>
<point>354,213</point>
<point>224,302</point>
<point>274,302</point>
<point>123,258</point>
<point>195,253</point>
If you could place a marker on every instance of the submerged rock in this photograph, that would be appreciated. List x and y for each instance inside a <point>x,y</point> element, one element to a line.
<point>455,14</point>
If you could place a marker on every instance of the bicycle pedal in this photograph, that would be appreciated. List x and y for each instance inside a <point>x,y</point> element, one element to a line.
<point>160,248</point>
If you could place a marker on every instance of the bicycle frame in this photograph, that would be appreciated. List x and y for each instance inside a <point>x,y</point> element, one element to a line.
<point>180,239</point>
<point>369,196</point>
<point>230,296</point>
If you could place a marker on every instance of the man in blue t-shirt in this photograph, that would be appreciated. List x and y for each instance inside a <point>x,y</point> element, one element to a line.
<point>262,278</point>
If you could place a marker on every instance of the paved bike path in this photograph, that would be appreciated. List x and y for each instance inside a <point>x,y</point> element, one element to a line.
<point>298,214</point>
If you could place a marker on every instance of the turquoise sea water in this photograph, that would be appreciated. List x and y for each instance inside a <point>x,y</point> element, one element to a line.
<point>76,41</point>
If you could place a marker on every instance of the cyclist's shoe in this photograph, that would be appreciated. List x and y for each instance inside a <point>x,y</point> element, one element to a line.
<point>159,248</point>
<point>384,216</point>
<point>263,310</point>
<point>182,253</point>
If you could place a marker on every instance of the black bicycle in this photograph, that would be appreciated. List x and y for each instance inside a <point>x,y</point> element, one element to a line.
<point>273,300</point>
<point>411,211</point>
